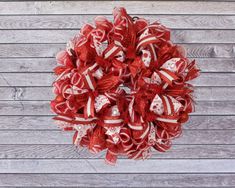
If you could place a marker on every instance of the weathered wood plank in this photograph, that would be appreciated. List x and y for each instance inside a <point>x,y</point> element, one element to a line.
<point>30,50</point>
<point>77,21</point>
<point>46,79</point>
<point>214,93</point>
<point>202,36</point>
<point>118,180</point>
<point>208,79</point>
<point>44,64</point>
<point>210,122</point>
<point>210,50</point>
<point>99,7</point>
<point>26,93</point>
<point>61,137</point>
<point>29,122</point>
<point>71,152</point>
<point>216,64</point>
<point>45,93</point>
<point>26,79</point>
<point>47,64</point>
<point>43,108</point>
<point>47,123</point>
<point>36,137</point>
<point>50,50</point>
<point>123,166</point>
<point>62,36</point>
<point>25,108</point>
<point>36,36</point>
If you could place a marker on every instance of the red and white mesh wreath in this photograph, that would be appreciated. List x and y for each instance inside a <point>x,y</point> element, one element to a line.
<point>123,86</point>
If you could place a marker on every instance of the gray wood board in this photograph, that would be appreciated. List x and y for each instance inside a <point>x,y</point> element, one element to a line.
<point>43,108</point>
<point>123,166</point>
<point>77,21</point>
<point>39,122</point>
<point>62,137</point>
<point>59,151</point>
<point>118,180</point>
<point>47,64</point>
<point>50,50</point>
<point>106,7</point>
<point>46,79</point>
<point>62,36</point>
<point>34,152</point>
<point>45,93</point>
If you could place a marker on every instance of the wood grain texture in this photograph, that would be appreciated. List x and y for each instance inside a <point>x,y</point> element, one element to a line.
<point>47,64</point>
<point>34,152</point>
<point>123,166</point>
<point>46,79</point>
<point>50,50</point>
<point>43,108</point>
<point>71,152</point>
<point>106,7</point>
<point>33,64</point>
<point>62,36</point>
<point>47,123</point>
<point>45,93</point>
<point>119,180</point>
<point>77,21</point>
<point>30,50</point>
<point>61,137</point>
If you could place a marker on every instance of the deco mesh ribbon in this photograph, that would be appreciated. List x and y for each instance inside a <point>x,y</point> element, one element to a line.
<point>122,86</point>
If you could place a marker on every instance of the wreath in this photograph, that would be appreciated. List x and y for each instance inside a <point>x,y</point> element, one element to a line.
<point>122,86</point>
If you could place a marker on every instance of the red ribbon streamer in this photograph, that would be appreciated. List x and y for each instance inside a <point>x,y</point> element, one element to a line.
<point>122,86</point>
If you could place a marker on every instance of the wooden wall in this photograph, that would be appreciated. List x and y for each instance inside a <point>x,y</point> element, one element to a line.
<point>33,152</point>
